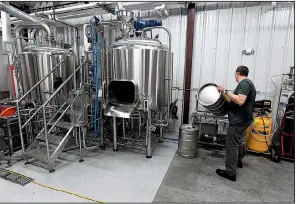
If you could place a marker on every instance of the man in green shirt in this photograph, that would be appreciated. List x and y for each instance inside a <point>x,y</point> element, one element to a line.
<point>240,118</point>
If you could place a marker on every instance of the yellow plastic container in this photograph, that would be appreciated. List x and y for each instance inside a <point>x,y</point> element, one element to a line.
<point>258,135</point>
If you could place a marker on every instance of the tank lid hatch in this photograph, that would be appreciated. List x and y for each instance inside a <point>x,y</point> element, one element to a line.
<point>144,41</point>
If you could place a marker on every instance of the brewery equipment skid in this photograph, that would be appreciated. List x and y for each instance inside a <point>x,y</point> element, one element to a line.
<point>138,93</point>
<point>119,90</point>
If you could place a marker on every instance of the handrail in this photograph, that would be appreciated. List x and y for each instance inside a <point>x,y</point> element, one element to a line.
<point>54,94</point>
<point>41,80</point>
<point>61,116</point>
<point>61,86</point>
<point>52,118</point>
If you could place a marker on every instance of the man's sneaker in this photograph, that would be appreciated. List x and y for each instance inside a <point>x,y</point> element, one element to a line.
<point>224,174</point>
<point>240,165</point>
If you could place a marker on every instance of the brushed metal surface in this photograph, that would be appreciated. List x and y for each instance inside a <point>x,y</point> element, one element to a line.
<point>119,111</point>
<point>144,61</point>
<point>37,63</point>
<point>208,95</point>
<point>188,140</point>
<point>212,100</point>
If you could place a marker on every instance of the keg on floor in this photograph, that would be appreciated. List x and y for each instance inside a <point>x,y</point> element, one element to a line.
<point>212,99</point>
<point>188,141</point>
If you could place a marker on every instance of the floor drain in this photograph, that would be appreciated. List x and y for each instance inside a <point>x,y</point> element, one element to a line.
<point>14,177</point>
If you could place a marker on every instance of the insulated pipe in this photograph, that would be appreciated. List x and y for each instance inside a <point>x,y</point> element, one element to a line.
<point>69,36</point>
<point>18,30</point>
<point>6,34</point>
<point>23,16</point>
<point>6,27</point>
<point>66,35</point>
<point>33,34</point>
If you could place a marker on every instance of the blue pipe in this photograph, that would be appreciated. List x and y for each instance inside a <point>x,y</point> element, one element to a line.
<point>94,66</point>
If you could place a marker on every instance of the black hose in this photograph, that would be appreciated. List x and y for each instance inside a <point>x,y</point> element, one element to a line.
<point>264,131</point>
<point>174,139</point>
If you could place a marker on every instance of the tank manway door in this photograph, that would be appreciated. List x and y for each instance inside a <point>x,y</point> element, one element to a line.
<point>122,98</point>
<point>119,112</point>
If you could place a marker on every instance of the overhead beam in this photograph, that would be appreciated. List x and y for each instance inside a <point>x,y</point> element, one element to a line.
<point>189,55</point>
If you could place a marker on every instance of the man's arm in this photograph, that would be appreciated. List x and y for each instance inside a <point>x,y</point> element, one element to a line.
<point>243,92</point>
<point>238,99</point>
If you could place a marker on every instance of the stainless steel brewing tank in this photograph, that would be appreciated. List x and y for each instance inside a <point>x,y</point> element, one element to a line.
<point>188,141</point>
<point>36,62</point>
<point>144,61</point>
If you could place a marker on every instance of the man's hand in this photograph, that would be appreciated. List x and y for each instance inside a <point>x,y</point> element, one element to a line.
<point>221,88</point>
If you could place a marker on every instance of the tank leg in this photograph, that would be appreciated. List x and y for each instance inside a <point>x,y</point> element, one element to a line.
<point>27,160</point>
<point>115,142</point>
<point>52,170</point>
<point>161,135</point>
<point>132,125</point>
<point>80,146</point>
<point>149,137</point>
<point>101,130</point>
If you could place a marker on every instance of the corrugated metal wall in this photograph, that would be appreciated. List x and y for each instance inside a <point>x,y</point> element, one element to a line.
<point>223,31</point>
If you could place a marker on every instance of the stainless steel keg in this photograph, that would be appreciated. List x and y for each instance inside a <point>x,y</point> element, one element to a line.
<point>212,99</point>
<point>188,141</point>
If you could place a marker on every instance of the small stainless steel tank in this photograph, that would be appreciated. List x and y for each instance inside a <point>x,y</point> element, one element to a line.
<point>188,141</point>
<point>36,62</point>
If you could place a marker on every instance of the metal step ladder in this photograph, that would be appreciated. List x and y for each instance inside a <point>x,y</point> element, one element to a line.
<point>56,143</point>
<point>49,143</point>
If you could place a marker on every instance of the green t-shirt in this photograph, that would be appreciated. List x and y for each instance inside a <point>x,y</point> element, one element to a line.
<point>243,115</point>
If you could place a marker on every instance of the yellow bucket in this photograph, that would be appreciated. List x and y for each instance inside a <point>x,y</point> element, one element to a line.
<point>258,135</point>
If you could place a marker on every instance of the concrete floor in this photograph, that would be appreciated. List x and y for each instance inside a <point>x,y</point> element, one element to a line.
<point>195,180</point>
<point>129,177</point>
<point>104,175</point>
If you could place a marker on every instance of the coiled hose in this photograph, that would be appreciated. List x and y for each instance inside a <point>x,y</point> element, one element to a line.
<point>253,128</point>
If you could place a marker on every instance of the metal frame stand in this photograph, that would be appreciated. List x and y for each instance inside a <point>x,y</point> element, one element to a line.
<point>149,136</point>
<point>115,142</point>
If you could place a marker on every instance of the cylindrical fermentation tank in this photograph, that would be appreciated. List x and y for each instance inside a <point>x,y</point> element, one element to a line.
<point>36,62</point>
<point>143,62</point>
